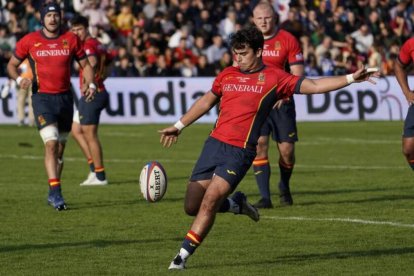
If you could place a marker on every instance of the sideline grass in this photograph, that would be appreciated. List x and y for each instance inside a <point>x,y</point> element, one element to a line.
<point>353,211</point>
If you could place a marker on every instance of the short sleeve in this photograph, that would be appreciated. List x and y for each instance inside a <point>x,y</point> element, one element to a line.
<point>22,48</point>
<point>295,52</point>
<point>406,52</point>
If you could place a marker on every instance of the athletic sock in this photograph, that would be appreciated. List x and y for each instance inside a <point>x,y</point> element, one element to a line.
<point>285,174</point>
<point>261,168</point>
<point>225,206</point>
<point>54,184</point>
<point>190,244</point>
<point>100,173</point>
<point>91,165</point>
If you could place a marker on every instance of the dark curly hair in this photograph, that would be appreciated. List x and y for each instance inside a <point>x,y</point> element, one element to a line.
<point>249,36</point>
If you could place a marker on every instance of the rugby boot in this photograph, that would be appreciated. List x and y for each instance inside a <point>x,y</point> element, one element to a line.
<point>245,207</point>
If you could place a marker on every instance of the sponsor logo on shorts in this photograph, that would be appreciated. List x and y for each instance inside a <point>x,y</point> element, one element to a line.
<point>258,172</point>
<point>41,120</point>
<point>231,172</point>
<point>292,134</point>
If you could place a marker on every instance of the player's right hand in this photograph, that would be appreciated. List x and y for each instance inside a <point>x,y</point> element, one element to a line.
<point>25,83</point>
<point>169,136</point>
<point>410,98</point>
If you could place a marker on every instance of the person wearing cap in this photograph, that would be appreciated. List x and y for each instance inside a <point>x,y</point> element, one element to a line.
<point>50,52</point>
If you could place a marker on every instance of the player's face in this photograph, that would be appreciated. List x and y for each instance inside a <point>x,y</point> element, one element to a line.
<point>247,59</point>
<point>52,22</point>
<point>264,20</point>
<point>80,31</point>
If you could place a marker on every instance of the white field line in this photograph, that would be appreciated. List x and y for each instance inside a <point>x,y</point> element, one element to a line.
<point>344,140</point>
<point>347,220</point>
<point>191,161</point>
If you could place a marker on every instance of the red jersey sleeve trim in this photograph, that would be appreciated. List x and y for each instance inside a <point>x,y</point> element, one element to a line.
<point>16,56</point>
<point>298,84</point>
<point>297,63</point>
<point>402,63</point>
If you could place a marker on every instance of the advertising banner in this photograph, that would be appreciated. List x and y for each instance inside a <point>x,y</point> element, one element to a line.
<point>164,100</point>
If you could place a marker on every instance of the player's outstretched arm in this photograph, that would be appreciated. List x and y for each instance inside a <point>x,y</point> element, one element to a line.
<point>170,134</point>
<point>327,84</point>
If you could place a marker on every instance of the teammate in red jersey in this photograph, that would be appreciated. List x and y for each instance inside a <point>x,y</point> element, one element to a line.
<point>246,94</point>
<point>280,47</point>
<point>406,58</point>
<point>50,52</point>
<point>86,119</point>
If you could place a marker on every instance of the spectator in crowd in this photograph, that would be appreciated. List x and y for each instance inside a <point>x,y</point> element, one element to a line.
<point>199,47</point>
<point>363,38</point>
<point>204,69</point>
<point>215,51</point>
<point>187,68</point>
<point>225,61</point>
<point>227,26</point>
<point>311,66</point>
<point>160,68</point>
<point>125,20</point>
<point>159,22</point>
<point>124,68</point>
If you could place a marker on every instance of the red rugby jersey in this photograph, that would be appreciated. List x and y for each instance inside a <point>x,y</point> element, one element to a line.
<point>406,55</point>
<point>246,100</point>
<point>50,59</point>
<point>93,47</point>
<point>280,48</point>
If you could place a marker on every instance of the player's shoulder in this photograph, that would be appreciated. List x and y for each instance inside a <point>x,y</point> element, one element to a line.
<point>68,35</point>
<point>285,34</point>
<point>410,41</point>
<point>229,70</point>
<point>32,35</point>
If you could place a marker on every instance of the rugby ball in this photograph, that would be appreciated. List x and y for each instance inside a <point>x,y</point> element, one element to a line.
<point>153,181</point>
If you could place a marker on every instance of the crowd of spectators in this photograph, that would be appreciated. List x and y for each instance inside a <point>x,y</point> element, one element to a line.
<point>157,38</point>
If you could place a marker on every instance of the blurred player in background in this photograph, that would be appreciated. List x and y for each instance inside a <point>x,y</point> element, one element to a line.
<point>401,67</point>
<point>24,95</point>
<point>86,118</point>
<point>246,94</point>
<point>279,47</point>
<point>50,52</point>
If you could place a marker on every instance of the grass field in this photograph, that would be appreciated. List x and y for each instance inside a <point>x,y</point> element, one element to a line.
<point>353,211</point>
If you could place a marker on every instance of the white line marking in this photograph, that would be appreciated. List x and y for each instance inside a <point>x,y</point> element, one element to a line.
<point>345,140</point>
<point>360,221</point>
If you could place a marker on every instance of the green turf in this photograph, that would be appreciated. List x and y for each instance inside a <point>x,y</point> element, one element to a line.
<point>353,211</point>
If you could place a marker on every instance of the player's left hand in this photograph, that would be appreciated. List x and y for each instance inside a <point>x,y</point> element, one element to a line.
<point>280,102</point>
<point>366,74</point>
<point>169,136</point>
<point>90,93</point>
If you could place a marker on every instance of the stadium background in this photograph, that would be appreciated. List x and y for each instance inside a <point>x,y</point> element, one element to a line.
<point>183,45</point>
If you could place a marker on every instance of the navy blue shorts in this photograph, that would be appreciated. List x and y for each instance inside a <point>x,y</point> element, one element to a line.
<point>53,108</point>
<point>224,160</point>
<point>281,123</point>
<point>409,123</point>
<point>90,112</point>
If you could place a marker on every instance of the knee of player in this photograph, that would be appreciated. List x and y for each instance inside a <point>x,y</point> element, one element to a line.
<point>49,133</point>
<point>191,209</point>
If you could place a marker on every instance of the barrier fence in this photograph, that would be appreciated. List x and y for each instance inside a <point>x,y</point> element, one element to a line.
<point>164,100</point>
